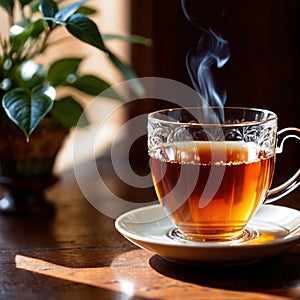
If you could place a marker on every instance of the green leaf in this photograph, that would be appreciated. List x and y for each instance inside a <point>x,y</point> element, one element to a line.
<point>31,74</point>
<point>34,6</point>
<point>48,8</point>
<point>85,30</point>
<point>134,83</point>
<point>8,5</point>
<point>61,69</point>
<point>85,10</point>
<point>27,109</point>
<point>67,11</point>
<point>69,112</point>
<point>38,27</point>
<point>19,35</point>
<point>21,32</point>
<point>90,84</point>
<point>93,85</point>
<point>135,39</point>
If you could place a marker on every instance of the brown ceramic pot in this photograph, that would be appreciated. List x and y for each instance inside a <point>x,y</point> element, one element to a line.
<point>26,168</point>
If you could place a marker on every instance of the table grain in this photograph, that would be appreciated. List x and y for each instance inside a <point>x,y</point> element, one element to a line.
<point>78,254</point>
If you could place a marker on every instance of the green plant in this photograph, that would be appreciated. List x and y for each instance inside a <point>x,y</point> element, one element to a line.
<point>28,89</point>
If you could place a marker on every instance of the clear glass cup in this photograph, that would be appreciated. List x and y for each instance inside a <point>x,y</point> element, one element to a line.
<point>212,167</point>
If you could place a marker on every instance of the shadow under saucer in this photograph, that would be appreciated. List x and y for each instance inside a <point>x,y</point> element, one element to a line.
<point>272,275</point>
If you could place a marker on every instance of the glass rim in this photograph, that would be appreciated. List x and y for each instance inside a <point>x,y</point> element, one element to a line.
<point>272,116</point>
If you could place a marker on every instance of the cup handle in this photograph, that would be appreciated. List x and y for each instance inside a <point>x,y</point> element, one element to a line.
<point>292,183</point>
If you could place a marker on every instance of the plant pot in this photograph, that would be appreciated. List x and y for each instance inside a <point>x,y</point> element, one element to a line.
<point>26,168</point>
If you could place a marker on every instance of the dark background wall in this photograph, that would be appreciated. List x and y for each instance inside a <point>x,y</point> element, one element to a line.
<point>263,70</point>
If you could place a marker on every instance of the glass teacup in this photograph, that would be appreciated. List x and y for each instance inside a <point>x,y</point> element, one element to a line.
<point>212,167</point>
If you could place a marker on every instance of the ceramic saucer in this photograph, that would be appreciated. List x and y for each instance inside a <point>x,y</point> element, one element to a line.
<point>272,230</point>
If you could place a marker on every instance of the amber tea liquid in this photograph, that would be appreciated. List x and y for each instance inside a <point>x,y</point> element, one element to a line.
<point>211,189</point>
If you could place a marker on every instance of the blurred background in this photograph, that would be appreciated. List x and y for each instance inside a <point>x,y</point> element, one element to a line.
<point>263,69</point>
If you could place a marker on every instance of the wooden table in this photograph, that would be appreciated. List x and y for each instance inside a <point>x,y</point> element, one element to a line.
<point>78,254</point>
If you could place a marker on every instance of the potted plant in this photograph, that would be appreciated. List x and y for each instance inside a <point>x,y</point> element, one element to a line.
<point>33,120</point>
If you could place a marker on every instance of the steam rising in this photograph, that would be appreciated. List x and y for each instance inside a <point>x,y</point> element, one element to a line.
<point>211,50</point>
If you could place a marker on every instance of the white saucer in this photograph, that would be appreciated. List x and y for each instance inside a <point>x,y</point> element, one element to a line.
<point>276,229</point>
